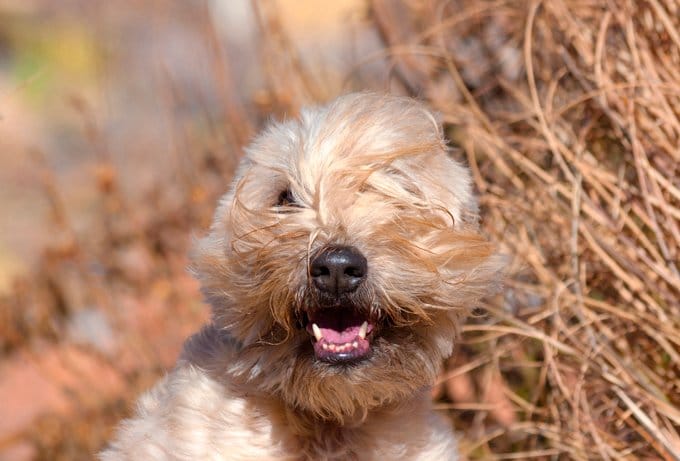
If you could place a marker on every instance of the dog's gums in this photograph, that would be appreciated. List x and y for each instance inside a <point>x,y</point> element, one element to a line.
<point>340,335</point>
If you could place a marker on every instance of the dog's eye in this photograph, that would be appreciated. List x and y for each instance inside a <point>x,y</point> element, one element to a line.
<point>286,199</point>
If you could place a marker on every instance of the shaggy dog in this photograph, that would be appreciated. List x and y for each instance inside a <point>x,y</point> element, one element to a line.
<point>339,268</point>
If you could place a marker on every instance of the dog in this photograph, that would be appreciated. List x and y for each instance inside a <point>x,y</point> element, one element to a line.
<point>339,268</point>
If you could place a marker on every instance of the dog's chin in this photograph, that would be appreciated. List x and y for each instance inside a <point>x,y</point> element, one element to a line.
<point>344,384</point>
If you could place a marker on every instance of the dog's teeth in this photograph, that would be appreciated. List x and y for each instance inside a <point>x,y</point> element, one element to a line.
<point>325,346</point>
<point>317,332</point>
<point>355,344</point>
<point>363,330</point>
<point>331,347</point>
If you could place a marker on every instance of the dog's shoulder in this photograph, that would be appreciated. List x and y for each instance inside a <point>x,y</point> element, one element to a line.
<point>193,414</point>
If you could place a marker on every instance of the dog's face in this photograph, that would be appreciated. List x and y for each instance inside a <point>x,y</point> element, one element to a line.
<point>345,256</point>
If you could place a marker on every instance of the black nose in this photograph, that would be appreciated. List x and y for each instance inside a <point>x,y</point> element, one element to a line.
<point>338,269</point>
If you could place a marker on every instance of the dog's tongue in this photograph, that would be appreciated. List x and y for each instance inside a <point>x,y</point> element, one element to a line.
<point>340,337</point>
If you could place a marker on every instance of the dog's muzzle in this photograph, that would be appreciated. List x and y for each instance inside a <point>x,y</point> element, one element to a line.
<point>341,330</point>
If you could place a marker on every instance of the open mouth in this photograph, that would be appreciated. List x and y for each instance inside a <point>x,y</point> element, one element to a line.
<point>340,335</point>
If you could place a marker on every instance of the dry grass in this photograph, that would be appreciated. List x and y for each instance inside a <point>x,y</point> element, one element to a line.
<point>569,114</point>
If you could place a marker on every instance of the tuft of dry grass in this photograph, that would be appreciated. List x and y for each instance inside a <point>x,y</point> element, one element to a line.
<point>568,113</point>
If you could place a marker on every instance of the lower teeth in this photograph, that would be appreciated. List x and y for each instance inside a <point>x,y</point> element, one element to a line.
<point>340,347</point>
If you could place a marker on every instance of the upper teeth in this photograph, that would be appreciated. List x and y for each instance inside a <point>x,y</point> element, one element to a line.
<point>317,331</point>
<point>363,330</point>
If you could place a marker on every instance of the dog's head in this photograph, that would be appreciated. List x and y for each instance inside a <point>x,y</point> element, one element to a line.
<point>345,256</point>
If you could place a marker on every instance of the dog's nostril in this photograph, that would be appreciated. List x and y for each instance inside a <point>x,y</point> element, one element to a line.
<point>319,270</point>
<point>354,272</point>
<point>338,269</point>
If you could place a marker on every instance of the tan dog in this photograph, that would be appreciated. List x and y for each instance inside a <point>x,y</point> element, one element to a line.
<point>339,268</point>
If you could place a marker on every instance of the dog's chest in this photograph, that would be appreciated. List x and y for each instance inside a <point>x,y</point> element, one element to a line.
<point>394,437</point>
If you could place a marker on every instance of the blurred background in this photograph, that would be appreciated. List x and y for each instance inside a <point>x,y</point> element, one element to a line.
<point>121,123</point>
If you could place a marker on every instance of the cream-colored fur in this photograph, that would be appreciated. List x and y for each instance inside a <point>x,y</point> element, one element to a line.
<point>370,172</point>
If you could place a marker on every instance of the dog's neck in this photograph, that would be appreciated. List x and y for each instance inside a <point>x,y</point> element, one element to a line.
<point>314,435</point>
<point>305,419</point>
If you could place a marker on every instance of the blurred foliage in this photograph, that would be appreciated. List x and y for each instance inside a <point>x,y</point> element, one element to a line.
<point>43,57</point>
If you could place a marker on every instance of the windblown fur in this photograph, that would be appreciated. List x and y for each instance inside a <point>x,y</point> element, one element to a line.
<point>370,172</point>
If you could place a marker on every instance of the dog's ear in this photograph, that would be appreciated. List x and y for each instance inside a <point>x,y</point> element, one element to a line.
<point>459,196</point>
<point>454,176</point>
